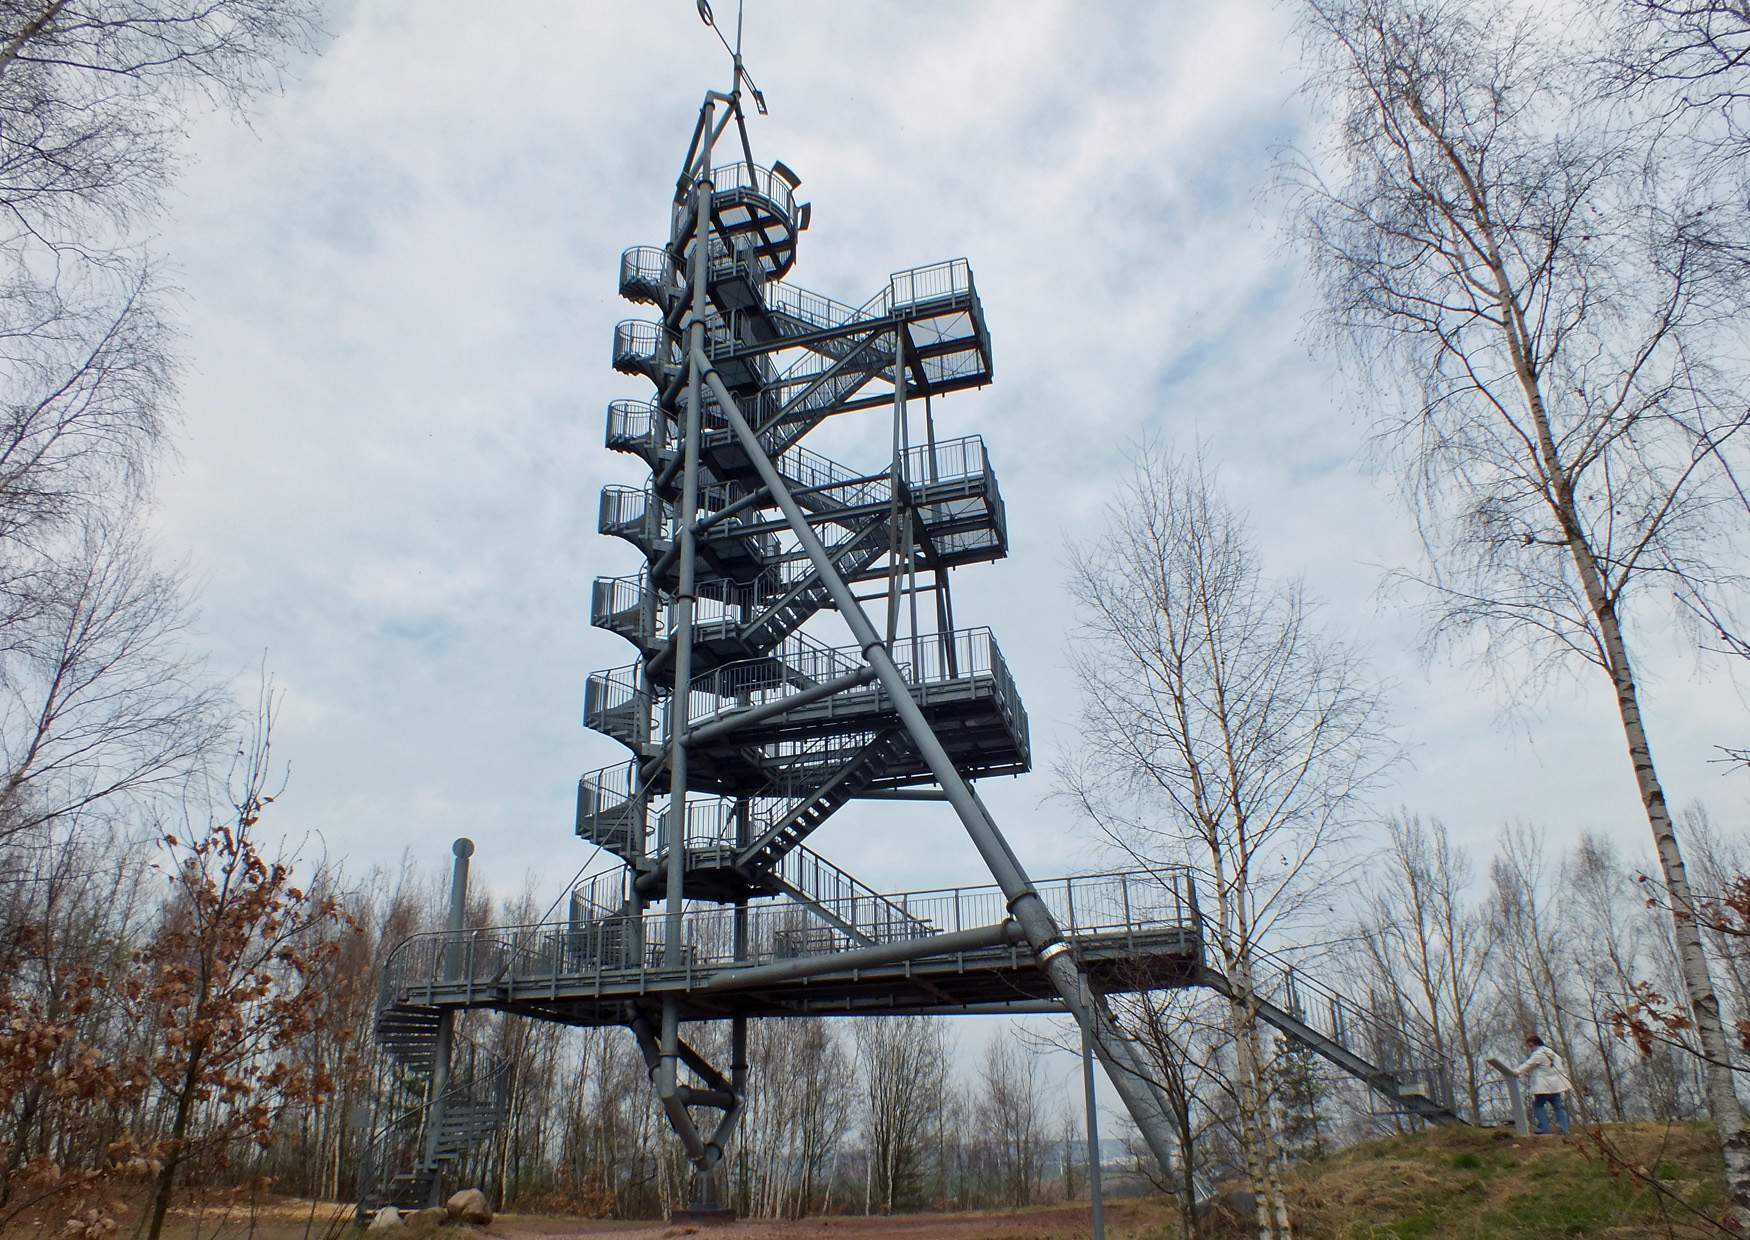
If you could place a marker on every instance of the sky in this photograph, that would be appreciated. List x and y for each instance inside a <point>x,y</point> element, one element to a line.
<point>398,291</point>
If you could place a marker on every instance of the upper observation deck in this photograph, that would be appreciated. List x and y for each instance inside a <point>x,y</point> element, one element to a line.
<point>934,309</point>
<point>1131,931</point>
<point>754,214</point>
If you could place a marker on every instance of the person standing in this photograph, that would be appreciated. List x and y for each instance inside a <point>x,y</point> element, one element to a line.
<point>1547,1078</point>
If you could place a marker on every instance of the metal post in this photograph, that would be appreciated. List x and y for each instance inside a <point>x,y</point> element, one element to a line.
<point>681,628</point>
<point>1515,1097</point>
<point>446,1027</point>
<point>1094,1195</point>
<point>1120,1057</point>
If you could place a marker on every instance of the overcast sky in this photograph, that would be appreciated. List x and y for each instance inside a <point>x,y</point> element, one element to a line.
<point>399,296</point>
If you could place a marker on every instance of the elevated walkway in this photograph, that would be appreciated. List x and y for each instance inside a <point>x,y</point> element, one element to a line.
<point>1396,1063</point>
<point>1134,931</point>
<point>1130,931</point>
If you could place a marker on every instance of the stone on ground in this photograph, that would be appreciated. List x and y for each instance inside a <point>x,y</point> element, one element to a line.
<point>470,1206</point>
<point>387,1219</point>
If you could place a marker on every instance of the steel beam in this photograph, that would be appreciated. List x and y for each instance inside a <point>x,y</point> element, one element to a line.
<point>780,706</point>
<point>865,957</point>
<point>1117,1053</point>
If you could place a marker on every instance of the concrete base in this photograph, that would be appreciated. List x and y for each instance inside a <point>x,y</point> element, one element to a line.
<point>702,1218</point>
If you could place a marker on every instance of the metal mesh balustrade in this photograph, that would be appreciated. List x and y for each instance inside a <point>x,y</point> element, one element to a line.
<point>646,271</point>
<point>631,425</point>
<point>1089,906</point>
<point>643,347</point>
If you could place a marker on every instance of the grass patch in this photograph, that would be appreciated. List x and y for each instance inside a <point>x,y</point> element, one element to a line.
<point>1466,1184</point>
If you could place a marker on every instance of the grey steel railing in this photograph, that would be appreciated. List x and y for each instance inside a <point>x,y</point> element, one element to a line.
<point>799,662</point>
<point>630,423</point>
<point>1116,906</point>
<point>612,699</point>
<point>1389,1042</point>
<point>643,345</point>
<point>949,281</point>
<point>645,271</point>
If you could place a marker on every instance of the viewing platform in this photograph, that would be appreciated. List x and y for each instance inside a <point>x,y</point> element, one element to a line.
<point>1132,931</point>
<point>959,680</point>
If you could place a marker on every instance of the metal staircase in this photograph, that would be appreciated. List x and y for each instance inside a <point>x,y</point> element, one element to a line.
<point>1397,1064</point>
<point>437,1117</point>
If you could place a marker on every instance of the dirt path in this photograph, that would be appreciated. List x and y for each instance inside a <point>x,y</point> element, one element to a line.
<point>1043,1223</point>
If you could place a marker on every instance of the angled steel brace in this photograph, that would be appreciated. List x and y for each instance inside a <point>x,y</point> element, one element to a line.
<point>946,944</point>
<point>1122,1061</point>
<point>781,706</point>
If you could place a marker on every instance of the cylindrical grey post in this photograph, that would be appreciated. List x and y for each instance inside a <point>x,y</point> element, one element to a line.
<point>1116,1052</point>
<point>681,624</point>
<point>1099,1205</point>
<point>454,950</point>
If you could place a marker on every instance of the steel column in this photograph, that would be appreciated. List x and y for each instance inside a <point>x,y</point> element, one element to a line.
<point>1117,1053</point>
<point>446,1027</point>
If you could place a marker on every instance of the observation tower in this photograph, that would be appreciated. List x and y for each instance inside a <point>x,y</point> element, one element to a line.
<point>794,647</point>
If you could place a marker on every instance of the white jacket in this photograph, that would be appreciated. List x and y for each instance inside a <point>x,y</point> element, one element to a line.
<point>1548,1074</point>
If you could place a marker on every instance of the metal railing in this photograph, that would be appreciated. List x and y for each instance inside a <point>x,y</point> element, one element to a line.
<point>799,662</point>
<point>743,176</point>
<point>1387,1042</point>
<point>948,460</point>
<point>817,309</point>
<point>605,793</point>
<point>645,271</point>
<point>642,345</point>
<point>612,701</point>
<point>401,1148</point>
<point>630,424</point>
<point>1123,906</point>
<point>949,281</point>
<point>625,511</point>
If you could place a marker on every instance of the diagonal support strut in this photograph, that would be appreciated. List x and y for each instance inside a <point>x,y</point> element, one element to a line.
<point>1119,1055</point>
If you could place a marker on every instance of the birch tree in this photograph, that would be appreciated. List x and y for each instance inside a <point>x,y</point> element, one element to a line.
<point>1220,727</point>
<point>1552,309</point>
<point>1419,918</point>
<point>903,1061</point>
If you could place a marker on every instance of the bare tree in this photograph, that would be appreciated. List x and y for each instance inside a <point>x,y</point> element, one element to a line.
<point>1421,921</point>
<point>1011,1111</point>
<point>99,698</point>
<point>904,1065</point>
<point>1568,444</point>
<point>1219,727</point>
<point>1183,1040</point>
<point>1691,59</point>
<point>94,96</point>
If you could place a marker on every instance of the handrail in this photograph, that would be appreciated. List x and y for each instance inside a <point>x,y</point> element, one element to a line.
<point>487,1083</point>
<point>1112,903</point>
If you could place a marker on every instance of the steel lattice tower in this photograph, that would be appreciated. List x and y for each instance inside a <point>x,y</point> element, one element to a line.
<point>746,730</point>
<point>748,535</point>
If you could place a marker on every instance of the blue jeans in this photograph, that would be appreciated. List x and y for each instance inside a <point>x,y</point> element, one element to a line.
<point>1542,1104</point>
